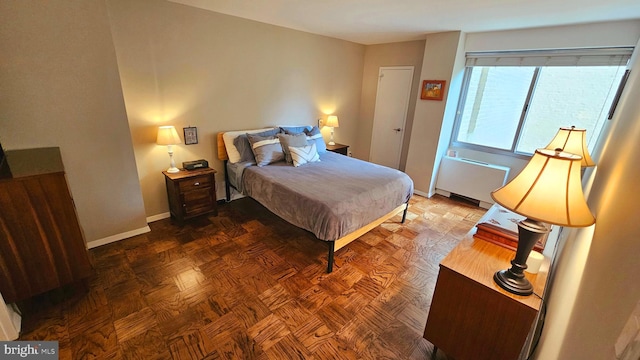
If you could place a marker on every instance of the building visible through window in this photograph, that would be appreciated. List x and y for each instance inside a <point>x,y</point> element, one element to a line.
<point>515,103</point>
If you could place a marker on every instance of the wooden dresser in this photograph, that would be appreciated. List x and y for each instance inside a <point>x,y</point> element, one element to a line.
<point>41,244</point>
<point>473,318</point>
<point>191,193</point>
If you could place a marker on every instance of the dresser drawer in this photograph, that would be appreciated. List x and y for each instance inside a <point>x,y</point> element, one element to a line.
<point>195,183</point>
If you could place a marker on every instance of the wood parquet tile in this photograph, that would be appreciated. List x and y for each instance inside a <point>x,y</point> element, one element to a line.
<point>247,285</point>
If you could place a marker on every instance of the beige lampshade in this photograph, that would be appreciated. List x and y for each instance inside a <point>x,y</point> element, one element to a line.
<point>167,135</point>
<point>573,141</point>
<point>332,121</point>
<point>549,190</point>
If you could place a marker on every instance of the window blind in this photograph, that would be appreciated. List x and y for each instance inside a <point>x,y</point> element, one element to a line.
<point>571,57</point>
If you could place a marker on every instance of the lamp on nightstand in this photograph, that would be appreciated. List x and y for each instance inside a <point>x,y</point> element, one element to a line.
<point>167,135</point>
<point>548,190</point>
<point>332,122</point>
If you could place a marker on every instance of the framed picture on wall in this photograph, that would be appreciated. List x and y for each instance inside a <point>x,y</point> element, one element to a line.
<point>190,135</point>
<point>432,89</point>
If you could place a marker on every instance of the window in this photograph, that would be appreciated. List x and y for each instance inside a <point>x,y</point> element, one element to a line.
<point>513,103</point>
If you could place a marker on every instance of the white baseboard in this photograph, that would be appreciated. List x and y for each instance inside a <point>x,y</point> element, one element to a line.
<point>236,196</point>
<point>443,193</point>
<point>422,193</point>
<point>117,237</point>
<point>485,205</point>
<point>153,218</point>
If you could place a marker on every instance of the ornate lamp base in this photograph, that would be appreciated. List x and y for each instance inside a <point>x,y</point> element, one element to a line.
<point>513,280</point>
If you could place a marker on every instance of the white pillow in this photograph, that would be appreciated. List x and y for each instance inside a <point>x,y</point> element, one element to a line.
<point>232,153</point>
<point>304,154</point>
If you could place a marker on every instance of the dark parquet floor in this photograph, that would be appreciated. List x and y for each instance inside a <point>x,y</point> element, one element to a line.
<point>247,285</point>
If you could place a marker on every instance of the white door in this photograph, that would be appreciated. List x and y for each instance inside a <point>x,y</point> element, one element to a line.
<point>392,103</point>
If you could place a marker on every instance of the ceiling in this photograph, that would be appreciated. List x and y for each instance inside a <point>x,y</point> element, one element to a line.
<point>381,21</point>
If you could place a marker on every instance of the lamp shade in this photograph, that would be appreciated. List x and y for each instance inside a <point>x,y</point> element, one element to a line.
<point>573,141</point>
<point>167,135</point>
<point>332,121</point>
<point>548,189</point>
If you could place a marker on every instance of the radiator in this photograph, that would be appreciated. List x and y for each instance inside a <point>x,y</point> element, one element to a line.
<point>470,178</point>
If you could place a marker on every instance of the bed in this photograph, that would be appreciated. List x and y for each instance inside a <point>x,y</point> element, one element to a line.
<point>337,198</point>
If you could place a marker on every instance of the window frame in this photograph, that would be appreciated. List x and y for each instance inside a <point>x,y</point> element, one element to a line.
<point>512,152</point>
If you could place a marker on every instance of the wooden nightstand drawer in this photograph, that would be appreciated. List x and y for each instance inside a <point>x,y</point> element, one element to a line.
<point>195,183</point>
<point>191,193</point>
<point>197,202</point>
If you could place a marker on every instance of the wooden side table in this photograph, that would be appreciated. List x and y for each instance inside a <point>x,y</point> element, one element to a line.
<point>338,148</point>
<point>191,193</point>
<point>471,317</point>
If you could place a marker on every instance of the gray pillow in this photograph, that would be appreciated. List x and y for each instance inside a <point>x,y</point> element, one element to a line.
<point>244,148</point>
<point>296,140</point>
<point>266,149</point>
<point>314,136</point>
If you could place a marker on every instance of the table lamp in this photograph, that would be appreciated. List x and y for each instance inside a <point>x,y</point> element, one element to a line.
<point>167,135</point>
<point>332,122</point>
<point>548,190</point>
<point>573,141</point>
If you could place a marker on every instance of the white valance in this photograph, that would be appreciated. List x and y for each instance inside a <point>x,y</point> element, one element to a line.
<point>569,57</point>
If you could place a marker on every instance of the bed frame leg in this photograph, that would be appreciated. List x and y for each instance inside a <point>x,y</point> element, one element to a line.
<point>404,213</point>
<point>330,257</point>
<point>227,188</point>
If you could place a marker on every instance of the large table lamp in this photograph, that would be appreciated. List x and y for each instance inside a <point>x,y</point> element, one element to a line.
<point>548,190</point>
<point>332,122</point>
<point>167,135</point>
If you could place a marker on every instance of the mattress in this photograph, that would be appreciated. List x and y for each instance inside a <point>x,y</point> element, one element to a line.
<point>330,198</point>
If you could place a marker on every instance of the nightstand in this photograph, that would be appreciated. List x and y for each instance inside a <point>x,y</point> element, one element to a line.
<point>191,193</point>
<point>338,148</point>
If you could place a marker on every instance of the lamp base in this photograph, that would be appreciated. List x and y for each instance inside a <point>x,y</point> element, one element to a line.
<point>513,280</point>
<point>513,283</point>
<point>172,164</point>
<point>331,142</point>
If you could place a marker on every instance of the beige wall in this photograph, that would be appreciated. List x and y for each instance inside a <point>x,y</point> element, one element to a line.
<point>60,87</point>
<point>186,66</point>
<point>603,34</point>
<point>396,54</point>
<point>424,147</point>
<point>597,287</point>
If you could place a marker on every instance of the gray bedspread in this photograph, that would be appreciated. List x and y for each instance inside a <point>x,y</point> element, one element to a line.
<point>330,198</point>
<point>235,172</point>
